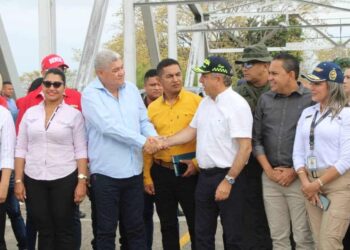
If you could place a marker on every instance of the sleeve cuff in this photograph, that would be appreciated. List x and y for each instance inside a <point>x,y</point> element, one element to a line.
<point>141,140</point>
<point>20,154</point>
<point>7,163</point>
<point>258,150</point>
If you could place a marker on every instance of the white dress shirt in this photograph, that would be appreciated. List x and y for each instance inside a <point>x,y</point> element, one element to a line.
<point>332,140</point>
<point>7,139</point>
<point>218,123</point>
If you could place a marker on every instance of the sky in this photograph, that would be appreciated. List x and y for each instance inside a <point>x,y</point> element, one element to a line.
<point>20,18</point>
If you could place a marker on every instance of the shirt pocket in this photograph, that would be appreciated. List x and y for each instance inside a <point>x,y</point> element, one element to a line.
<point>60,132</point>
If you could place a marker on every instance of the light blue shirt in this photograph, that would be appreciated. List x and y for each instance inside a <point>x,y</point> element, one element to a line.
<point>12,107</point>
<point>117,129</point>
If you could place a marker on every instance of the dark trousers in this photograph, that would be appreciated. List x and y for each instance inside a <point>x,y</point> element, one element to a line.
<point>14,213</point>
<point>346,241</point>
<point>118,197</point>
<point>52,207</point>
<point>148,211</point>
<point>171,190</point>
<point>31,230</point>
<point>256,229</point>
<point>2,224</point>
<point>229,210</point>
<point>93,219</point>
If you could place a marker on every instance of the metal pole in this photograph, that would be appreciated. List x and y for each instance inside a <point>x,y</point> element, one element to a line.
<point>92,42</point>
<point>172,36</point>
<point>8,68</point>
<point>47,27</point>
<point>129,41</point>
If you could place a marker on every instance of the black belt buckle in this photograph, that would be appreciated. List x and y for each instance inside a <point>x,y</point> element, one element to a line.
<point>314,174</point>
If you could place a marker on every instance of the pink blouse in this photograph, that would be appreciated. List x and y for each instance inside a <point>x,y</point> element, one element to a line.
<point>51,152</point>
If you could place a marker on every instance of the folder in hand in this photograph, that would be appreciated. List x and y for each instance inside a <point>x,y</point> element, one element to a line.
<point>179,167</point>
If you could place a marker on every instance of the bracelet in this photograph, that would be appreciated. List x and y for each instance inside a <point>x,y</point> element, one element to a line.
<point>18,181</point>
<point>320,182</point>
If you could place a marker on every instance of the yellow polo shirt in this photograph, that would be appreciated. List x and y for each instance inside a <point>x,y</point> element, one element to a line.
<point>168,120</point>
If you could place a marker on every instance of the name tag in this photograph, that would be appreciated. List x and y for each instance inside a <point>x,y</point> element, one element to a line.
<point>311,163</point>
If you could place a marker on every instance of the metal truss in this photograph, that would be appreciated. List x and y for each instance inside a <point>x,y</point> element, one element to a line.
<point>210,17</point>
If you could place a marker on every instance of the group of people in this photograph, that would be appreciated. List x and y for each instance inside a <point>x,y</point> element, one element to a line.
<point>270,157</point>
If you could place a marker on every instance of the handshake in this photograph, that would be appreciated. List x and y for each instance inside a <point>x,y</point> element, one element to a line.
<point>155,143</point>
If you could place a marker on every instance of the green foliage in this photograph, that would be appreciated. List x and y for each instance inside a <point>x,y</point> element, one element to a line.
<point>344,63</point>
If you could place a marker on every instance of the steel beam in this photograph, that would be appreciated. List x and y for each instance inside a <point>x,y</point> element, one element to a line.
<point>151,35</point>
<point>8,68</point>
<point>322,5</point>
<point>92,42</point>
<point>153,3</point>
<point>129,40</point>
<point>196,29</point>
<point>317,30</point>
<point>172,35</point>
<point>47,27</point>
<point>288,47</point>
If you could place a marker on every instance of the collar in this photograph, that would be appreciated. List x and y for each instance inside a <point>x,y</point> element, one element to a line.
<point>179,96</point>
<point>97,84</point>
<point>222,95</point>
<point>301,90</point>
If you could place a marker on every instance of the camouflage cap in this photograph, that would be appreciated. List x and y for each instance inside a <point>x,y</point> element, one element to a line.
<point>257,52</point>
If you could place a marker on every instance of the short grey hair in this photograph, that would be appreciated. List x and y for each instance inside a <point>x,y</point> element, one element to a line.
<point>227,79</point>
<point>105,57</point>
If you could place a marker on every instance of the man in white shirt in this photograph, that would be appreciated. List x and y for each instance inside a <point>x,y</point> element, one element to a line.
<point>223,128</point>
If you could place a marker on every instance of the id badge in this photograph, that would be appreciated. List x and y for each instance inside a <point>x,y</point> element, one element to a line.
<point>312,163</point>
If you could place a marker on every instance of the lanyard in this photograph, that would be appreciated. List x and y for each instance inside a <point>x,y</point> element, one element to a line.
<point>313,126</point>
<point>51,118</point>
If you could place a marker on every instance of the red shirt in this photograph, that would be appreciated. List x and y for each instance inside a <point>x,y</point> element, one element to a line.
<point>71,97</point>
<point>20,102</point>
<point>3,102</point>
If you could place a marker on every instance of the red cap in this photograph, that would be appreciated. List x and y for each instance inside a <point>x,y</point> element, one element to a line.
<point>52,61</point>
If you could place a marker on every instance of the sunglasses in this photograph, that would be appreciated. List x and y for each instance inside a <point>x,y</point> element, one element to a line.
<point>248,65</point>
<point>56,85</point>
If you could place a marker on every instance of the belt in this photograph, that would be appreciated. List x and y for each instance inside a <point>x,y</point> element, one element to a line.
<point>214,170</point>
<point>162,163</point>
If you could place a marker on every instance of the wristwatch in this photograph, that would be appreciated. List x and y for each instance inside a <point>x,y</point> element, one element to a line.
<point>82,177</point>
<point>230,179</point>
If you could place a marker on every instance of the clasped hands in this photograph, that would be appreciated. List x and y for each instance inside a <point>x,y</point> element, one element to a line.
<point>311,191</point>
<point>282,175</point>
<point>154,144</point>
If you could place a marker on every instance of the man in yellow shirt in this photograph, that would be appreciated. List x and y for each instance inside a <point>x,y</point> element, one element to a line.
<point>169,114</point>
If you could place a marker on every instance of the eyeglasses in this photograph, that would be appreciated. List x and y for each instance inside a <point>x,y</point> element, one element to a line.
<point>248,65</point>
<point>56,85</point>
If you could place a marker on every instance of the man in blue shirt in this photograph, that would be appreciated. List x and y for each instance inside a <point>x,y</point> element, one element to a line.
<point>7,92</point>
<point>118,130</point>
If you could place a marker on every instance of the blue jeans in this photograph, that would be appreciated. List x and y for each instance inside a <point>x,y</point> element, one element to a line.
<point>14,213</point>
<point>148,220</point>
<point>114,198</point>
